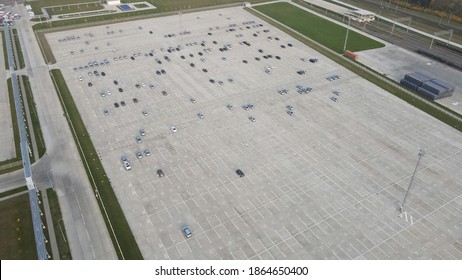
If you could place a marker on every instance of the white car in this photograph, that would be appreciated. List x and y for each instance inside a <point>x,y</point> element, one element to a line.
<point>173,129</point>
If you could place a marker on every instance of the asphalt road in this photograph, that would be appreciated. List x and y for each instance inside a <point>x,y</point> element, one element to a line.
<point>87,234</point>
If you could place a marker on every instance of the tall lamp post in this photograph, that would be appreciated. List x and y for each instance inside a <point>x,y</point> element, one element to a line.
<point>421,154</point>
<point>346,36</point>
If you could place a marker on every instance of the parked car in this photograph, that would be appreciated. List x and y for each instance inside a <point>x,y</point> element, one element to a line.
<point>240,173</point>
<point>187,232</point>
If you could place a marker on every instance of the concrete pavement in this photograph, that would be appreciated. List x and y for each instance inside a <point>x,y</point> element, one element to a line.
<point>87,234</point>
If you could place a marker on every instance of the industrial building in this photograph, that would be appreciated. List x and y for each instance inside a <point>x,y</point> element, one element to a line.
<point>427,86</point>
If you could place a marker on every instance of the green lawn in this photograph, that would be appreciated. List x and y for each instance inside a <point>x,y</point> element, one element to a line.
<point>74,9</point>
<point>34,117</point>
<point>12,164</point>
<point>58,225</point>
<point>169,5</point>
<point>5,56</point>
<point>37,5</point>
<point>17,241</point>
<point>320,30</point>
<point>13,191</point>
<point>18,50</point>
<point>97,175</point>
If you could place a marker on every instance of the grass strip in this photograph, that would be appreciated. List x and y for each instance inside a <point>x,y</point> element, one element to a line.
<point>12,164</point>
<point>34,117</point>
<point>13,191</point>
<point>317,28</point>
<point>372,76</point>
<point>58,225</point>
<point>26,123</point>
<point>18,50</point>
<point>5,55</point>
<point>118,228</point>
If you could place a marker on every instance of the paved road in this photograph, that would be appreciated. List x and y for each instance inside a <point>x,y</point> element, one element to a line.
<point>87,234</point>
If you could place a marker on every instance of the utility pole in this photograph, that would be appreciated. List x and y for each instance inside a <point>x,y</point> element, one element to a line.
<point>346,37</point>
<point>421,154</point>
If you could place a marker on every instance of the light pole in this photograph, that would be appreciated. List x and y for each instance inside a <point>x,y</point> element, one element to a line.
<point>346,36</point>
<point>421,154</point>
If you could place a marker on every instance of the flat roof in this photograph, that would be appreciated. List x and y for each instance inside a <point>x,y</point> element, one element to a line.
<point>362,12</point>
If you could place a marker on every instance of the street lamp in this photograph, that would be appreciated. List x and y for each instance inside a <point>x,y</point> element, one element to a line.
<point>422,152</point>
<point>346,36</point>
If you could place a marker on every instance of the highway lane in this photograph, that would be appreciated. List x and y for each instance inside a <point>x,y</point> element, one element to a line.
<point>61,168</point>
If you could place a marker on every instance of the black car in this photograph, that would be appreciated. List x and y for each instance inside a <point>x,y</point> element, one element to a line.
<point>116,105</point>
<point>192,65</point>
<point>260,50</point>
<point>103,74</point>
<point>191,55</point>
<point>122,103</point>
<point>158,72</point>
<point>121,90</point>
<point>90,84</point>
<point>257,59</point>
<point>245,61</point>
<point>182,57</point>
<point>240,173</point>
<point>135,100</point>
<point>163,71</point>
<point>115,82</point>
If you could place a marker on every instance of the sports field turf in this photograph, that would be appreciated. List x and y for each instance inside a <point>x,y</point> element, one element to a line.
<point>321,30</point>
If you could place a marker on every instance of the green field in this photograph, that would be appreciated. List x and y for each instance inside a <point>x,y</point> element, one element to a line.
<point>39,4</point>
<point>74,9</point>
<point>58,225</point>
<point>169,5</point>
<point>96,174</point>
<point>34,117</point>
<point>320,30</point>
<point>17,241</point>
<point>13,191</point>
<point>15,163</point>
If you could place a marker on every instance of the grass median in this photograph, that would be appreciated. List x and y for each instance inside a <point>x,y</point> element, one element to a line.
<point>118,228</point>
<point>58,225</point>
<point>15,163</point>
<point>5,56</point>
<point>34,117</point>
<point>18,50</point>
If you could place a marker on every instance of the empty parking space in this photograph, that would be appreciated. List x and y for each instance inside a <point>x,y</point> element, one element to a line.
<point>321,182</point>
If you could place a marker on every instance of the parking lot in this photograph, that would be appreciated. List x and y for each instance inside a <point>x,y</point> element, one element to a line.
<point>322,182</point>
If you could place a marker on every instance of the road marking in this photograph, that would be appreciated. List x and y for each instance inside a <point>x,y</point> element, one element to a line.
<point>407,217</point>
